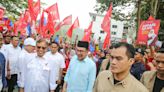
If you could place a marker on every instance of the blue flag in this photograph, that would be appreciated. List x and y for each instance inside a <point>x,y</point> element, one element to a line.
<point>91,47</point>
<point>56,39</point>
<point>11,23</point>
<point>29,29</point>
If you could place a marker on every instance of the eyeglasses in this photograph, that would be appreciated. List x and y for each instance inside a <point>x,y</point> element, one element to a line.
<point>40,47</point>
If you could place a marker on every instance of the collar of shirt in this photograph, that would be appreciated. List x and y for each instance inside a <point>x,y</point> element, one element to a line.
<point>14,47</point>
<point>152,78</point>
<point>54,53</point>
<point>124,82</point>
<point>41,58</point>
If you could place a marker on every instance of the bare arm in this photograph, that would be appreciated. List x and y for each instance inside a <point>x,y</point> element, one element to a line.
<point>64,87</point>
<point>21,89</point>
<point>8,70</point>
<point>60,76</point>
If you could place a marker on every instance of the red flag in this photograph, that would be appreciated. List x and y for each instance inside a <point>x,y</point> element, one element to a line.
<point>30,3</point>
<point>15,28</point>
<point>87,33</point>
<point>34,9</point>
<point>74,25</point>
<point>49,30</point>
<point>21,24</point>
<point>27,17</point>
<point>42,19</point>
<point>54,11</point>
<point>106,26</point>
<point>106,21</point>
<point>66,21</point>
<point>41,24</point>
<point>30,7</point>
<point>1,12</point>
<point>106,41</point>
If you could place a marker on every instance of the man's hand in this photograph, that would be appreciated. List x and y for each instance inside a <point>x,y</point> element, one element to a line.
<point>58,81</point>
<point>64,90</point>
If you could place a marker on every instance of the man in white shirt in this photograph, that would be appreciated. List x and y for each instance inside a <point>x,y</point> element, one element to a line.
<point>13,52</point>
<point>58,62</point>
<point>26,55</point>
<point>40,76</point>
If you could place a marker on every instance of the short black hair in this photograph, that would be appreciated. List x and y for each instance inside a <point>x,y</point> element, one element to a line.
<point>130,51</point>
<point>14,36</point>
<point>53,42</point>
<point>42,40</point>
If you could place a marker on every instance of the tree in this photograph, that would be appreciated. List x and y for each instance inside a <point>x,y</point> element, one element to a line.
<point>102,5</point>
<point>144,8</point>
<point>13,8</point>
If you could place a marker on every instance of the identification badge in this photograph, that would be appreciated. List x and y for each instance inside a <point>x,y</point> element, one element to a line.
<point>46,67</point>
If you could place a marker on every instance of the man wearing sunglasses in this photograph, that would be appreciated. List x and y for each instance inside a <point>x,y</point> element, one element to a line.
<point>154,80</point>
<point>39,75</point>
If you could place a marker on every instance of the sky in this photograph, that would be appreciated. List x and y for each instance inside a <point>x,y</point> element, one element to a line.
<point>78,8</point>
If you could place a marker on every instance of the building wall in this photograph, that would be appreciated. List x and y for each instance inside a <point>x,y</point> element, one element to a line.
<point>116,28</point>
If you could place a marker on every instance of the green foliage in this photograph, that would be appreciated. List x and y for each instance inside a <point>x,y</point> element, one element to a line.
<point>147,9</point>
<point>104,4</point>
<point>14,7</point>
<point>160,16</point>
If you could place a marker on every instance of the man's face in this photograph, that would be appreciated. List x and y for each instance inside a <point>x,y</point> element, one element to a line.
<point>119,61</point>
<point>137,56</point>
<point>159,62</point>
<point>30,48</point>
<point>41,48</point>
<point>54,48</point>
<point>81,53</point>
<point>7,39</point>
<point>15,41</point>
<point>108,56</point>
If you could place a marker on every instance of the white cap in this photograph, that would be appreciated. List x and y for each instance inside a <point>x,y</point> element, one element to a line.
<point>30,41</point>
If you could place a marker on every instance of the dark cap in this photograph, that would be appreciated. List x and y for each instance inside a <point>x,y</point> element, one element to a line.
<point>139,50</point>
<point>83,44</point>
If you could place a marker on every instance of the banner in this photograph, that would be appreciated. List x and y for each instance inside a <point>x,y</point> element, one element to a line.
<point>148,32</point>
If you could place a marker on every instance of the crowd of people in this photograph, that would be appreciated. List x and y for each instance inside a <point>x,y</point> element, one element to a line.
<point>38,65</point>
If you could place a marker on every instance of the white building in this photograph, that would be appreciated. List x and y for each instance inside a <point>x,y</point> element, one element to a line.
<point>117,28</point>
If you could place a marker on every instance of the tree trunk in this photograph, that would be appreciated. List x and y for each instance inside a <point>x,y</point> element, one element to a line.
<point>155,8</point>
<point>138,14</point>
<point>154,5</point>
